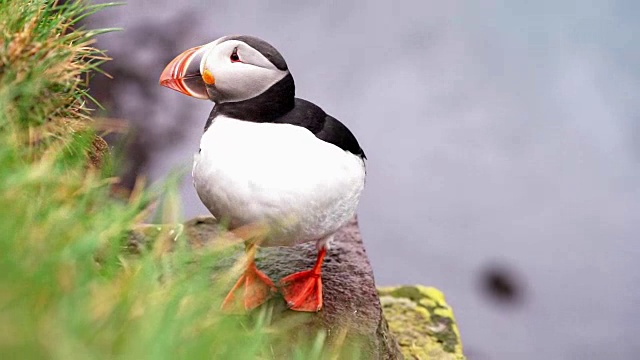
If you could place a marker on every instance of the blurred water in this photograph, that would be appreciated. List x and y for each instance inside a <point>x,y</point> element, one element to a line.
<point>496,133</point>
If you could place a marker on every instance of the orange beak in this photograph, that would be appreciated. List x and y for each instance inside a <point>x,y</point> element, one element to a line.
<point>183,74</point>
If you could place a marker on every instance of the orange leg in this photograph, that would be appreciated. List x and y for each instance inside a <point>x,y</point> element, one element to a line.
<point>253,288</point>
<point>303,290</point>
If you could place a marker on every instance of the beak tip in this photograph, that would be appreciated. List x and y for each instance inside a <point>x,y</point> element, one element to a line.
<point>165,76</point>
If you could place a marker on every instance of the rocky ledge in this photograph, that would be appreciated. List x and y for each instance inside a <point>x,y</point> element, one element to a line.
<point>412,322</point>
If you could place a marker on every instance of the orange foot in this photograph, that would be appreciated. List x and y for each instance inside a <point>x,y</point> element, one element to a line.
<point>253,289</point>
<point>303,290</point>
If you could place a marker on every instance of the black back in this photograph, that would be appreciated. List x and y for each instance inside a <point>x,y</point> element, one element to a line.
<point>278,105</point>
<point>323,126</point>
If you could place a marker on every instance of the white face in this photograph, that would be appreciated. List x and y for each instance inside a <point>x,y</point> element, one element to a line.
<point>240,71</point>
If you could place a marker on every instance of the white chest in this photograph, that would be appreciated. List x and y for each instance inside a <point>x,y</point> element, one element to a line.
<point>305,187</point>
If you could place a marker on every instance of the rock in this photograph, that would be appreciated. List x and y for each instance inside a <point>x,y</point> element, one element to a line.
<point>422,322</point>
<point>353,316</point>
<point>352,313</point>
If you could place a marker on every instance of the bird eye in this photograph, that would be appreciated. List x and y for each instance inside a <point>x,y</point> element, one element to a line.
<point>234,56</point>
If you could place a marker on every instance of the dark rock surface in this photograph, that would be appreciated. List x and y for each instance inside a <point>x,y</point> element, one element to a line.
<point>352,313</point>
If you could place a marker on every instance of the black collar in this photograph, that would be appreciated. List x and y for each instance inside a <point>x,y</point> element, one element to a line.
<point>266,107</point>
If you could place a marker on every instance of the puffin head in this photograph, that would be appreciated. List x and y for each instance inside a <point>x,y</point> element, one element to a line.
<point>230,69</point>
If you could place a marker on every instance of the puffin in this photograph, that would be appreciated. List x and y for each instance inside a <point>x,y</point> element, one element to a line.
<point>268,160</point>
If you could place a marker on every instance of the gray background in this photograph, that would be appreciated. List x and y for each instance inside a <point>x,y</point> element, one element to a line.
<point>503,143</point>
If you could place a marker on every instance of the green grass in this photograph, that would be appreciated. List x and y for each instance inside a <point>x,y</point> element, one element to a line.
<point>68,288</point>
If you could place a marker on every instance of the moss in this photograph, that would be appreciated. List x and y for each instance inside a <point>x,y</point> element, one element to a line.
<point>422,322</point>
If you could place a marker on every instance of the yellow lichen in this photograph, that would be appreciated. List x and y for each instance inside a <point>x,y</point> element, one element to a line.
<point>422,322</point>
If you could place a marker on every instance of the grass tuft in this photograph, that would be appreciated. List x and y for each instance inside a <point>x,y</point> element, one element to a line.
<point>68,288</point>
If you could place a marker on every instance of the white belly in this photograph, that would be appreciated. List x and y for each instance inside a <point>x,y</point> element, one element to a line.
<point>304,187</point>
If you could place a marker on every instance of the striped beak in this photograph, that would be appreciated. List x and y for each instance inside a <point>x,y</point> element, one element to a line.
<point>183,74</point>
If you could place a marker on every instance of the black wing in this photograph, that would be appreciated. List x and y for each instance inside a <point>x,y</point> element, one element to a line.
<point>324,127</point>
